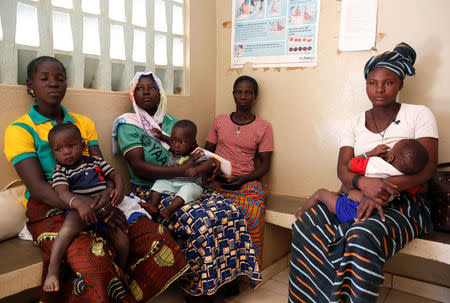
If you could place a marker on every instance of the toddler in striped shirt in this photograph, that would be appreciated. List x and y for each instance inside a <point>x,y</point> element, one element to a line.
<point>75,177</point>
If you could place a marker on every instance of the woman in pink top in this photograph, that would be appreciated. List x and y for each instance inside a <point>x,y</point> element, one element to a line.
<point>241,137</point>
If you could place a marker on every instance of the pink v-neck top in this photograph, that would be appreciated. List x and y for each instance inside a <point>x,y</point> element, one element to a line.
<point>240,143</point>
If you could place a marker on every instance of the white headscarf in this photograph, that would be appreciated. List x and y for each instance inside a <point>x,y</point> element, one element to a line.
<point>140,117</point>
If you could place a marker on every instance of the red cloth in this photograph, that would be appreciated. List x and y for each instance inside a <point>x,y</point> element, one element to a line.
<point>414,190</point>
<point>92,276</point>
<point>359,165</point>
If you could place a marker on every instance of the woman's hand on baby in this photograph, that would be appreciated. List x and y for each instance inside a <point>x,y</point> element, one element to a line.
<point>196,156</point>
<point>191,172</point>
<point>102,203</point>
<point>365,209</point>
<point>86,213</point>
<point>379,151</point>
<point>378,190</point>
<point>116,196</point>
<point>116,219</point>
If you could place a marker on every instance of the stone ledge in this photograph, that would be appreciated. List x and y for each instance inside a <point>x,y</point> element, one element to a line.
<point>20,266</point>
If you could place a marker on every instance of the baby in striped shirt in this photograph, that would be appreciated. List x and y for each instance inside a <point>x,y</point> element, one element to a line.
<point>76,176</point>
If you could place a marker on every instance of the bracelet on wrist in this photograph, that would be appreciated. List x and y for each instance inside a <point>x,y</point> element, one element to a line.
<point>355,180</point>
<point>71,200</point>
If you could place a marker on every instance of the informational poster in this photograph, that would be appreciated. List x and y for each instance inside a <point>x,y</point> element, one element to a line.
<point>358,26</point>
<point>274,33</point>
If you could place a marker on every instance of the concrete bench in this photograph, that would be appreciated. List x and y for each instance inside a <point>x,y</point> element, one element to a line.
<point>20,271</point>
<point>422,267</point>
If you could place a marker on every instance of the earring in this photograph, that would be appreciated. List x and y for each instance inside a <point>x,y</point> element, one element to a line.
<point>30,92</point>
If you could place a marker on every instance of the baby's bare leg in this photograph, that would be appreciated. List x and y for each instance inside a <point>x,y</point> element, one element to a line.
<point>71,227</point>
<point>121,243</point>
<point>152,207</point>
<point>322,195</point>
<point>356,195</point>
<point>167,212</point>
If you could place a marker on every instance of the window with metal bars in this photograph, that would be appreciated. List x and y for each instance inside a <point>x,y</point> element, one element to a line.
<point>102,43</point>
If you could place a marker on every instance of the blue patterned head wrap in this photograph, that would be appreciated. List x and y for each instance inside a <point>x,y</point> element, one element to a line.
<point>400,61</point>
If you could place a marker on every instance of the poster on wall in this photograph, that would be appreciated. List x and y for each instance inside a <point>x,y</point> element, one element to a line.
<point>275,33</point>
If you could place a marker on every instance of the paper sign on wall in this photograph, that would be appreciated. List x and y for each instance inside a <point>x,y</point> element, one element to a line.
<point>273,33</point>
<point>358,26</point>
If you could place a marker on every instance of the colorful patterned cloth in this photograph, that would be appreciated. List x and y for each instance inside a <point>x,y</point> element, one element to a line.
<point>250,199</point>
<point>332,262</point>
<point>213,236</point>
<point>155,260</point>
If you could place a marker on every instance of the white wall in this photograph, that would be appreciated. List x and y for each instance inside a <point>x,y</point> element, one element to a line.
<point>307,106</point>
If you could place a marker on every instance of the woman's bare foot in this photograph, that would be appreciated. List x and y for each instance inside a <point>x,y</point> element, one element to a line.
<point>51,283</point>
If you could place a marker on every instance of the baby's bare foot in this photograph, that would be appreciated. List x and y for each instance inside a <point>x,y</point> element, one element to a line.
<point>152,209</point>
<point>51,283</point>
<point>167,212</point>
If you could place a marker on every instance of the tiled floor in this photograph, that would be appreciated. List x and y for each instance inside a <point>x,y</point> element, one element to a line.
<point>276,291</point>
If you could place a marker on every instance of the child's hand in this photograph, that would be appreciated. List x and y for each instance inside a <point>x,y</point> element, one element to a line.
<point>116,196</point>
<point>378,151</point>
<point>87,214</point>
<point>215,170</point>
<point>189,163</point>
<point>191,172</point>
<point>158,133</point>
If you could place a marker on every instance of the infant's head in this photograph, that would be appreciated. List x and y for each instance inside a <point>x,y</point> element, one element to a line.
<point>183,138</point>
<point>408,156</point>
<point>66,143</point>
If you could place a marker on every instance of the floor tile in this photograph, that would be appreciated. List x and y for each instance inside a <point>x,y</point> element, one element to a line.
<point>276,290</point>
<point>396,296</point>
<point>264,294</point>
<point>277,287</point>
<point>283,276</point>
